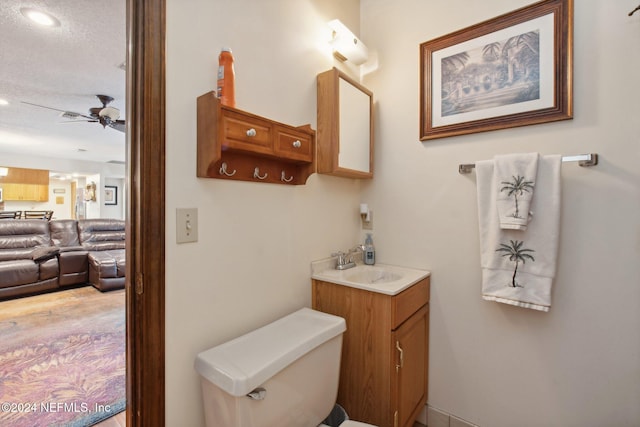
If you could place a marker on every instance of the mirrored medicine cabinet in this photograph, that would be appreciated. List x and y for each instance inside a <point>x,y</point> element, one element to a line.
<point>345,126</point>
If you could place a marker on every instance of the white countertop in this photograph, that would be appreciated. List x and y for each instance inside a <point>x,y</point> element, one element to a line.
<point>381,278</point>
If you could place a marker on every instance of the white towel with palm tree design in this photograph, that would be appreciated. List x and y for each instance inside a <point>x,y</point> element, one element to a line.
<point>518,266</point>
<point>516,174</point>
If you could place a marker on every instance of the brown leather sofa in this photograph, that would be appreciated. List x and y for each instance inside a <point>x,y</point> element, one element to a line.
<point>74,268</point>
<point>40,255</point>
<point>21,271</point>
<point>104,241</point>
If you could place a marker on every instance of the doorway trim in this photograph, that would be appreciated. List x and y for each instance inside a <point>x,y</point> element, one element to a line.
<point>145,213</point>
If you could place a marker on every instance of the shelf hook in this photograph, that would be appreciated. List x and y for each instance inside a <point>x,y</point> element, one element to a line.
<point>283,177</point>
<point>256,174</point>
<point>223,170</point>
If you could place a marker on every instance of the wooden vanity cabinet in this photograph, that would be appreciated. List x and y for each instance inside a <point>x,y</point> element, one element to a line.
<point>385,351</point>
<point>235,144</point>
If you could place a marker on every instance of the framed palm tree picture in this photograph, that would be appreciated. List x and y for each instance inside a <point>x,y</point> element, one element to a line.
<point>513,70</point>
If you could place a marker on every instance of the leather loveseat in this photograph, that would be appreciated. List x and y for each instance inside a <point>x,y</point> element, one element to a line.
<point>40,255</point>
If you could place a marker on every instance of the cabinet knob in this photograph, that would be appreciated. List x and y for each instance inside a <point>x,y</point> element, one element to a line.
<point>297,143</point>
<point>251,132</point>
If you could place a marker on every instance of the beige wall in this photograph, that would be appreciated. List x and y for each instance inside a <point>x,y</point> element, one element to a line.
<point>491,364</point>
<point>251,262</point>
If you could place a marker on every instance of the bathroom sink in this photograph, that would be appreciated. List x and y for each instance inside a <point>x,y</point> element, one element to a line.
<point>372,275</point>
<point>381,278</point>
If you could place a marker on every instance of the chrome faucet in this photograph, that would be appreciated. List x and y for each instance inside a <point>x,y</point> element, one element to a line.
<point>345,259</point>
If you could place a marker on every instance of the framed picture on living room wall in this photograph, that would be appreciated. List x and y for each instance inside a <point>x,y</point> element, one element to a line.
<point>110,195</point>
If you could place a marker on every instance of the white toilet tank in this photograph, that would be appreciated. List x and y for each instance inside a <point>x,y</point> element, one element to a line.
<point>295,360</point>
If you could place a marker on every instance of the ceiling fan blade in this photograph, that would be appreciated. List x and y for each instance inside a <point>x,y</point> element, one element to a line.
<point>79,121</point>
<point>106,116</point>
<point>57,109</point>
<point>118,125</point>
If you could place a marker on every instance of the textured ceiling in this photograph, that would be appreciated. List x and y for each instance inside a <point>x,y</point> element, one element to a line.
<point>62,67</point>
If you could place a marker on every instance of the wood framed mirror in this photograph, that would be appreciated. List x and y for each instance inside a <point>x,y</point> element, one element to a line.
<point>345,126</point>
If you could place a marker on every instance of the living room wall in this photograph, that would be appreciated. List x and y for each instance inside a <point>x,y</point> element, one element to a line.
<point>104,173</point>
<point>59,202</point>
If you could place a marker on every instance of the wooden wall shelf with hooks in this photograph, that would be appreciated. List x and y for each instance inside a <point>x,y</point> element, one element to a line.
<point>234,144</point>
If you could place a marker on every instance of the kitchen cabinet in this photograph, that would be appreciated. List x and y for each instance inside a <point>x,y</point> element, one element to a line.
<point>384,366</point>
<point>25,185</point>
<point>26,192</point>
<point>235,144</point>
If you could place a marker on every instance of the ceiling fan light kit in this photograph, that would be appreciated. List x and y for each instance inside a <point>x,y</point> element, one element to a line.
<point>110,112</point>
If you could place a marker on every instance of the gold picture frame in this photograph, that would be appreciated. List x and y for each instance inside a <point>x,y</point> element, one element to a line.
<point>513,70</point>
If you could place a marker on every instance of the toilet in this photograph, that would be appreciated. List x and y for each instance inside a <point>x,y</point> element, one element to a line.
<point>284,374</point>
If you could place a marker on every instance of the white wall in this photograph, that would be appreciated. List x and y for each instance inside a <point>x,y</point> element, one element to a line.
<point>105,173</point>
<point>60,210</point>
<point>113,211</point>
<point>256,241</point>
<point>493,364</point>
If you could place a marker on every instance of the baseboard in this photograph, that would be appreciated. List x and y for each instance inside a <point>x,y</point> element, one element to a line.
<point>438,418</point>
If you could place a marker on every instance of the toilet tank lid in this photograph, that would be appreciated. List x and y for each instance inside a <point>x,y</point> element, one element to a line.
<point>244,363</point>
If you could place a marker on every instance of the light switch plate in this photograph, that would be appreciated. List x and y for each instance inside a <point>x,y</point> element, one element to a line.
<point>186,225</point>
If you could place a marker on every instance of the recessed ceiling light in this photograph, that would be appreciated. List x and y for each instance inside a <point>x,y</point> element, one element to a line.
<point>4,102</point>
<point>39,17</point>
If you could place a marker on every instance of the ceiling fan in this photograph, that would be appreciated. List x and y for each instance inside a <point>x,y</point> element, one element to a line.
<point>105,115</point>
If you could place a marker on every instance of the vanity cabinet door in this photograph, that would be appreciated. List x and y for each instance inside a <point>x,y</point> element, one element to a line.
<point>380,384</point>
<point>409,388</point>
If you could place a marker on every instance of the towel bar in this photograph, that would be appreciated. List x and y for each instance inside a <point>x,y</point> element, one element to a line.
<point>590,159</point>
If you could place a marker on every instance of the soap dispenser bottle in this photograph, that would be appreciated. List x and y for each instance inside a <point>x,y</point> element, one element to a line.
<point>369,251</point>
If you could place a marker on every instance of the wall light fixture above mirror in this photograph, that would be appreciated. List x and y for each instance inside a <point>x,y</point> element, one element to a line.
<point>346,46</point>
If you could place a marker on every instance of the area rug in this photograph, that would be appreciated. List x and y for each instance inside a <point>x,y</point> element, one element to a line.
<point>62,358</point>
